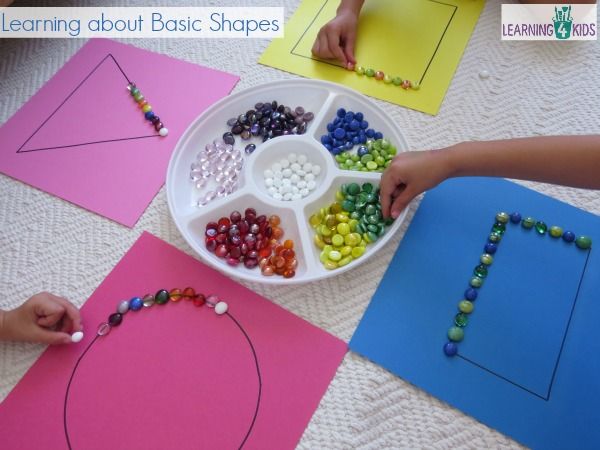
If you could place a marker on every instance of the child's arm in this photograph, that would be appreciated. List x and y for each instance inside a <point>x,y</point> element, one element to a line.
<point>567,160</point>
<point>336,39</point>
<point>43,318</point>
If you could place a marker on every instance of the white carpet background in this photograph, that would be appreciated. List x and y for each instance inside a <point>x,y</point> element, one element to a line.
<point>535,88</point>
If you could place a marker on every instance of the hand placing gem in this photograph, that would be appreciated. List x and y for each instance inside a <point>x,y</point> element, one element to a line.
<point>43,318</point>
<point>566,160</point>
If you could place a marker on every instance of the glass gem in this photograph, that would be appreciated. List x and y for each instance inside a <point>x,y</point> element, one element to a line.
<point>486,259</point>
<point>161,297</point>
<point>583,242</point>
<point>212,300</point>
<point>397,81</point>
<point>199,300</point>
<point>189,293</point>
<point>115,319</point>
<point>175,295</point>
<point>541,227</point>
<point>135,304</point>
<point>555,231</point>
<point>528,223</point>
<point>476,282</point>
<point>480,271</point>
<point>461,320</point>
<point>456,334</point>
<point>465,306</point>
<point>360,70</point>
<point>490,248</point>
<point>502,217</point>
<point>471,294</point>
<point>370,72</point>
<point>515,217</point>
<point>103,329</point>
<point>499,228</point>
<point>568,236</point>
<point>494,237</point>
<point>123,307</point>
<point>148,300</point>
<point>450,348</point>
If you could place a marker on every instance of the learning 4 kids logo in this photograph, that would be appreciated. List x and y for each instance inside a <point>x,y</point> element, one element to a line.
<point>549,22</point>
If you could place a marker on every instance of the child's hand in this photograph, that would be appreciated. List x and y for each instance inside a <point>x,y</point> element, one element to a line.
<point>336,39</point>
<point>410,174</point>
<point>43,318</point>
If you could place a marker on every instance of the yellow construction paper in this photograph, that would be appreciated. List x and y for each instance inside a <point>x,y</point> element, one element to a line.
<point>418,40</point>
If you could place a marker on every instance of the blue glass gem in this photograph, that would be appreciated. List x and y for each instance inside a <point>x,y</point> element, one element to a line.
<point>471,294</point>
<point>359,116</point>
<point>326,139</point>
<point>568,236</point>
<point>378,135</point>
<point>330,127</point>
<point>149,115</point>
<point>349,117</point>
<point>370,133</point>
<point>339,133</point>
<point>135,304</point>
<point>362,150</point>
<point>490,248</point>
<point>355,125</point>
<point>515,217</point>
<point>250,148</point>
<point>341,112</point>
<point>450,348</point>
<point>364,125</point>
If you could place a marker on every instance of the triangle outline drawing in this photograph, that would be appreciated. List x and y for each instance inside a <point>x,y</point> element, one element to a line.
<point>108,57</point>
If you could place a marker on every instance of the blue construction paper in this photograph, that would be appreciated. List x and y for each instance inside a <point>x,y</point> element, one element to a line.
<point>529,365</point>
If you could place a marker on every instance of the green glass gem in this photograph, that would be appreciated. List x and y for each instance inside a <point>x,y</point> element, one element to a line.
<point>397,81</point>
<point>476,282</point>
<point>465,306</point>
<point>360,70</point>
<point>555,231</point>
<point>367,187</point>
<point>541,227</point>
<point>415,86</point>
<point>370,209</point>
<point>480,271</point>
<point>499,228</point>
<point>495,237</point>
<point>353,189</point>
<point>486,259</point>
<point>502,217</point>
<point>373,228</point>
<point>370,72</point>
<point>372,197</point>
<point>456,334</point>
<point>373,219</point>
<point>372,236</point>
<point>134,91</point>
<point>371,165</point>
<point>583,242</point>
<point>528,223</point>
<point>461,320</point>
<point>162,297</point>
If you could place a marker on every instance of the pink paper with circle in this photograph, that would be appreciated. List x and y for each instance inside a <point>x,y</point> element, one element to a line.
<point>83,138</point>
<point>175,375</point>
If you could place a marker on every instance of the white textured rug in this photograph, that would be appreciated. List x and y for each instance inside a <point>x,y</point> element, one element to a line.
<point>535,88</point>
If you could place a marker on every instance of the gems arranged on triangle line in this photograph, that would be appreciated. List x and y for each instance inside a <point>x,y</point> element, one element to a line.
<point>381,76</point>
<point>147,110</point>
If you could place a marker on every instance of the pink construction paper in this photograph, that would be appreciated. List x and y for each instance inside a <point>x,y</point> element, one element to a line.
<point>58,141</point>
<point>175,376</point>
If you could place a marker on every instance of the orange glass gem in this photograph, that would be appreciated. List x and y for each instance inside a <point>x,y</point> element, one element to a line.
<point>406,84</point>
<point>379,75</point>
<point>189,293</point>
<point>267,271</point>
<point>277,233</point>
<point>265,252</point>
<point>142,103</point>
<point>175,295</point>
<point>288,253</point>
<point>274,220</point>
<point>288,244</point>
<point>289,274</point>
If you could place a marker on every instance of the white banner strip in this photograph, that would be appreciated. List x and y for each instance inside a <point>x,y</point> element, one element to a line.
<point>130,22</point>
<point>549,22</point>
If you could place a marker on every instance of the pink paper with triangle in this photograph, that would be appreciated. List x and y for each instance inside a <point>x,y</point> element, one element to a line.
<point>83,138</point>
<point>175,376</point>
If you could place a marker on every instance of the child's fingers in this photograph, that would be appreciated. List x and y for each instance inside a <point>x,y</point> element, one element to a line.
<point>333,41</point>
<point>73,317</point>
<point>387,187</point>
<point>349,46</point>
<point>401,202</point>
<point>50,337</point>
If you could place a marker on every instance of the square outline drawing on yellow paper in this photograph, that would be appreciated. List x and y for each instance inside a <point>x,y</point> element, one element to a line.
<point>425,39</point>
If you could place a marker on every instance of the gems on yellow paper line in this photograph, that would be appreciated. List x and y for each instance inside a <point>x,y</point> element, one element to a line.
<point>381,76</point>
<point>147,110</point>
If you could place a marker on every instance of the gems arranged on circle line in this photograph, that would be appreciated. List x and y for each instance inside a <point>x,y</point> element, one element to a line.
<point>456,333</point>
<point>147,110</point>
<point>160,298</point>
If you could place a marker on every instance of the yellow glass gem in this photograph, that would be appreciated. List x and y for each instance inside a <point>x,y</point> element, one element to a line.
<point>337,240</point>
<point>335,208</point>
<point>344,261</point>
<point>357,252</point>
<point>343,228</point>
<point>346,250</point>
<point>334,255</point>
<point>330,265</point>
<point>147,108</point>
<point>465,306</point>
<point>314,220</point>
<point>319,242</point>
